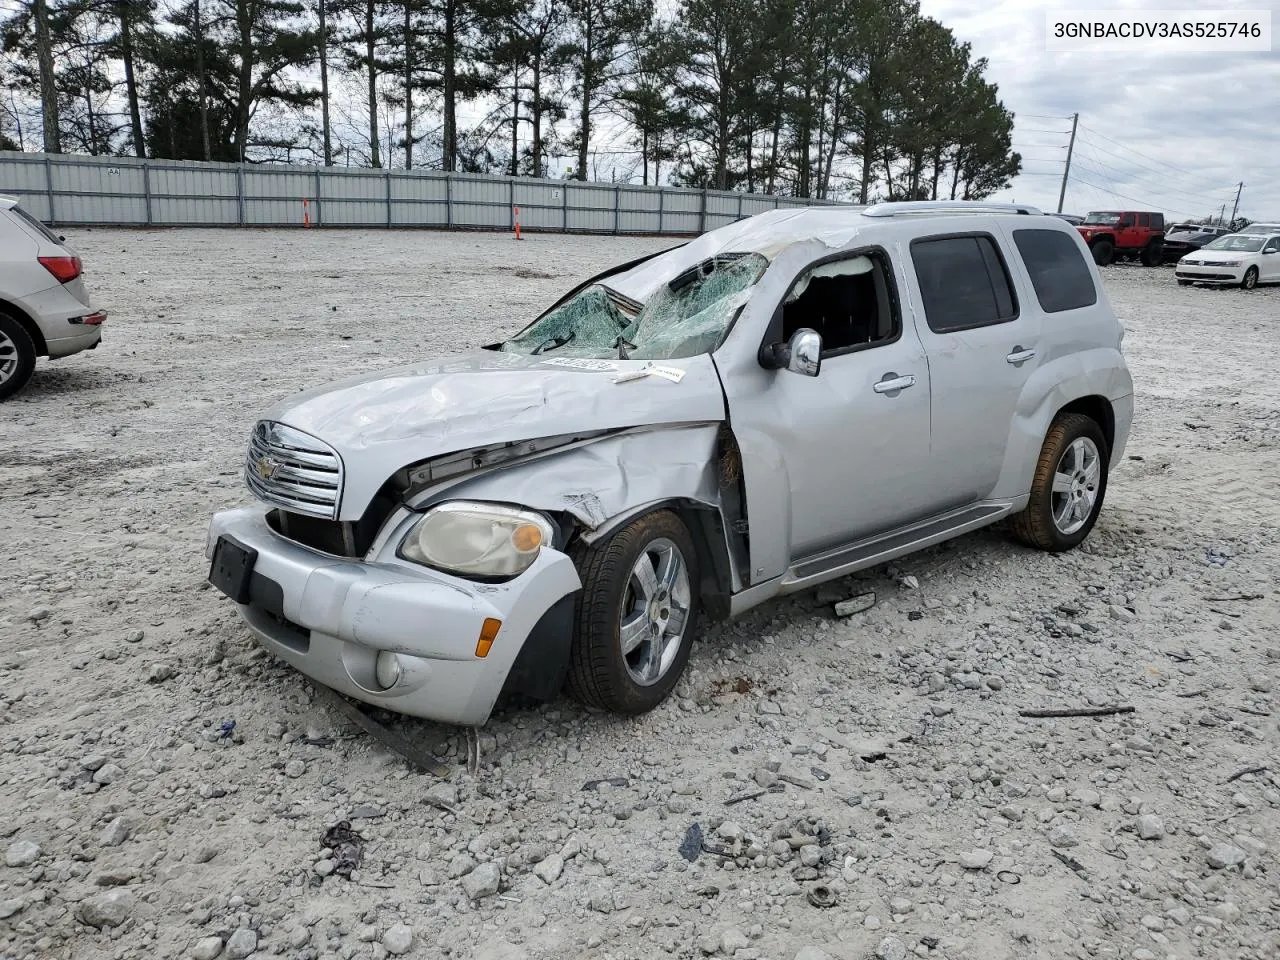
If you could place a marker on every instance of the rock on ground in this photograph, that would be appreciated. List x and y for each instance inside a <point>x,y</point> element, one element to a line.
<point>398,939</point>
<point>108,909</point>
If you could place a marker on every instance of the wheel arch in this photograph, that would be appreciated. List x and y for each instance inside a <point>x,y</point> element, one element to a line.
<point>1097,408</point>
<point>706,525</point>
<point>28,324</point>
<point>1094,383</point>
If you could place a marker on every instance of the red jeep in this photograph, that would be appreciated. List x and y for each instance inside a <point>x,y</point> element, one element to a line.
<point>1124,233</point>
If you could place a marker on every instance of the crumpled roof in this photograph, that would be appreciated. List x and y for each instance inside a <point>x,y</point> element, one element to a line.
<point>767,234</point>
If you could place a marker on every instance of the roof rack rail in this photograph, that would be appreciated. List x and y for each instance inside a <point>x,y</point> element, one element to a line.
<point>929,208</point>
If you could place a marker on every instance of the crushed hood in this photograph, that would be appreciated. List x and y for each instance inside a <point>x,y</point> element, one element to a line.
<point>382,422</point>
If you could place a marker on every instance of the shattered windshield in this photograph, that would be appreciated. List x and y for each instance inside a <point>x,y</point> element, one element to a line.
<point>687,316</point>
<point>1102,216</point>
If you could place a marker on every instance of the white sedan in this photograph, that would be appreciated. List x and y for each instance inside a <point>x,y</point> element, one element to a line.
<point>1238,259</point>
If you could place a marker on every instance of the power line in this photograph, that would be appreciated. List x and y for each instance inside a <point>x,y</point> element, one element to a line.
<point>1143,155</point>
<point>1159,173</point>
<point>1166,191</point>
<point>1180,196</point>
<point>1145,203</point>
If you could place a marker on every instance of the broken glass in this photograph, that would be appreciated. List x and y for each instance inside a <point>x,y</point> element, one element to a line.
<point>689,315</point>
<point>587,324</point>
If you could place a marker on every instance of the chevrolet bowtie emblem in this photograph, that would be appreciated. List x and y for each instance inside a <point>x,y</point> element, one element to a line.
<point>266,468</point>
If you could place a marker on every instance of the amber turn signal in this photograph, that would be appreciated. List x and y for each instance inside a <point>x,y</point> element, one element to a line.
<point>526,538</point>
<point>487,633</point>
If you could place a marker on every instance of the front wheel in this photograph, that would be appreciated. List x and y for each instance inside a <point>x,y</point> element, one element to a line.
<point>1068,488</point>
<point>1184,283</point>
<point>1153,254</point>
<point>1250,279</point>
<point>635,616</point>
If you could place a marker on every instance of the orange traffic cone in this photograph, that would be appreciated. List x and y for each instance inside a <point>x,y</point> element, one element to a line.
<point>517,221</point>
<point>306,212</point>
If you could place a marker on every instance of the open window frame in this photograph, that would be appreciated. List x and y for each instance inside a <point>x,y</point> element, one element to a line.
<point>887,285</point>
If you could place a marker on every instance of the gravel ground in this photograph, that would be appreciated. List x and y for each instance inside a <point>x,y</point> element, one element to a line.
<point>893,771</point>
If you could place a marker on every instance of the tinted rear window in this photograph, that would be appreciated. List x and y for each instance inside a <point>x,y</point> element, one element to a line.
<point>36,225</point>
<point>963,283</point>
<point>1058,270</point>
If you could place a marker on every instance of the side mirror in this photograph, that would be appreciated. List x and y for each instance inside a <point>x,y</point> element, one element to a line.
<point>801,354</point>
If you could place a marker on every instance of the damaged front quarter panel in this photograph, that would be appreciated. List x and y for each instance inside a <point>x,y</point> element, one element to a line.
<point>604,483</point>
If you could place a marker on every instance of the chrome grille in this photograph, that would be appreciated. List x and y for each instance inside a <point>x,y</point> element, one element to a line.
<point>293,470</point>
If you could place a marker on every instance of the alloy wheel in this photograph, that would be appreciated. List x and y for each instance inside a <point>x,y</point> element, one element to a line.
<point>655,611</point>
<point>1075,486</point>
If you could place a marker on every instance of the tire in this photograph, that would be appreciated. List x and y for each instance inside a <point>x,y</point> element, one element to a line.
<point>1184,283</point>
<point>1049,522</point>
<point>613,592</point>
<point>17,357</point>
<point>1250,279</point>
<point>1102,252</point>
<point>1153,254</point>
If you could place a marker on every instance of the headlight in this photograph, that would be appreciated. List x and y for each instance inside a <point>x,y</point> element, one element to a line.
<point>477,539</point>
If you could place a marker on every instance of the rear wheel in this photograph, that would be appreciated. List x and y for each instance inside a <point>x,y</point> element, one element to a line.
<point>1153,253</point>
<point>17,356</point>
<point>1068,488</point>
<point>1102,252</point>
<point>635,616</point>
<point>1250,279</point>
<point>1184,283</point>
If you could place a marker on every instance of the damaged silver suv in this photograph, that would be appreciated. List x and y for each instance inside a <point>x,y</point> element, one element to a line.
<point>777,403</point>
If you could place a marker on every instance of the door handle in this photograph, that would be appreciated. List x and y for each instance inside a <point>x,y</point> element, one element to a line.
<point>1019,355</point>
<point>892,384</point>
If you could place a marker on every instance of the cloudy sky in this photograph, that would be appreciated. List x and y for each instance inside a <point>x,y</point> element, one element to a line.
<point>1168,130</point>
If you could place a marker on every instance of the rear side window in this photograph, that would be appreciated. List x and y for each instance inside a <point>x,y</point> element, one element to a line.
<point>36,225</point>
<point>1058,270</point>
<point>1157,221</point>
<point>963,282</point>
<point>1144,219</point>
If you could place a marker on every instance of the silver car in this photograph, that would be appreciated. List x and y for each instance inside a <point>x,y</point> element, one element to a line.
<point>44,306</point>
<point>786,400</point>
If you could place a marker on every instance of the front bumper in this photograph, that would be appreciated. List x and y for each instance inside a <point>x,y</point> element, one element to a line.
<point>1209,273</point>
<point>329,617</point>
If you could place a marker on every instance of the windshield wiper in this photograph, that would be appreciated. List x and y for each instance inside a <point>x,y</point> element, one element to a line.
<point>554,343</point>
<point>622,343</point>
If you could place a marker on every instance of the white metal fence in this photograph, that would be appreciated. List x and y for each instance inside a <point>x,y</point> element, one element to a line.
<point>122,191</point>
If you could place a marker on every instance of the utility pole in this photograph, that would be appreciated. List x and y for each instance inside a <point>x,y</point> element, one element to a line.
<point>324,85</point>
<point>1236,206</point>
<point>200,80</point>
<point>48,90</point>
<point>1075,118</point>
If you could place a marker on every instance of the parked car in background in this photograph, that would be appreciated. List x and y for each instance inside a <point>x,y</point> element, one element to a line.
<point>1182,238</point>
<point>1124,234</point>
<point>1260,228</point>
<point>1238,259</point>
<point>44,306</point>
<point>777,403</point>
<point>1072,218</point>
